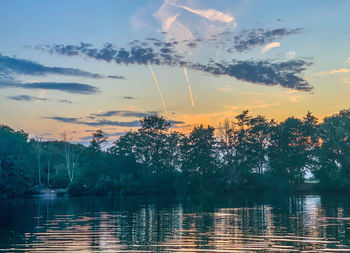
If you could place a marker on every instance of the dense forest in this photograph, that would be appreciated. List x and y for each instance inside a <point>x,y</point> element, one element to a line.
<point>247,153</point>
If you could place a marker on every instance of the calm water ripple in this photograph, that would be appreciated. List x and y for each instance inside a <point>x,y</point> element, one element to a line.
<point>309,223</point>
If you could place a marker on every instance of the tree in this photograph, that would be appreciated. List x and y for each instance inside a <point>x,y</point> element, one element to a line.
<point>16,166</point>
<point>155,148</point>
<point>198,158</point>
<point>37,143</point>
<point>290,152</point>
<point>334,151</point>
<point>11,143</point>
<point>99,137</point>
<point>154,123</point>
<point>72,153</point>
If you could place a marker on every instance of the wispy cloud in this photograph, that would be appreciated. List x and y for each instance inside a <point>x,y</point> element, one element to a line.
<point>135,114</point>
<point>11,65</point>
<point>28,98</point>
<point>97,123</point>
<point>76,88</point>
<point>116,77</point>
<point>270,46</point>
<point>102,122</point>
<point>290,54</point>
<point>204,25</point>
<point>210,14</point>
<point>226,88</point>
<point>129,97</point>
<point>332,72</point>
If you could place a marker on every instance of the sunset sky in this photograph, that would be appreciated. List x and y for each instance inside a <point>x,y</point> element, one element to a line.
<point>77,66</point>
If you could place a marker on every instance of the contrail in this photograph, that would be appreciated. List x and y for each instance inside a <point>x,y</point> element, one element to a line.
<point>189,86</point>
<point>160,93</point>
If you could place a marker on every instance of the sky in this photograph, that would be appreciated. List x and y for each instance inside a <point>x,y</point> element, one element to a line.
<point>78,66</point>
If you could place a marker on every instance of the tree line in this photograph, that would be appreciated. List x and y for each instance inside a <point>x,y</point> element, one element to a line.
<point>247,153</point>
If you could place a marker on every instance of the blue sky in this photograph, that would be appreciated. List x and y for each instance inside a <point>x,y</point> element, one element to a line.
<point>276,58</point>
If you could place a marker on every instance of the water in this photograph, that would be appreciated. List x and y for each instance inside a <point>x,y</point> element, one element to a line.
<point>309,223</point>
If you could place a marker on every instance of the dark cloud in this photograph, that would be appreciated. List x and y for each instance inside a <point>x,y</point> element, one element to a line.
<point>174,123</point>
<point>77,88</point>
<point>64,119</point>
<point>124,114</point>
<point>136,54</point>
<point>12,65</point>
<point>191,44</point>
<point>98,123</point>
<point>65,101</point>
<point>103,122</point>
<point>129,97</point>
<point>26,98</point>
<point>116,77</point>
<point>262,72</point>
<point>247,40</point>
<point>286,74</point>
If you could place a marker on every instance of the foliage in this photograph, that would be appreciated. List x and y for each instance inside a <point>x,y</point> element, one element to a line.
<point>249,153</point>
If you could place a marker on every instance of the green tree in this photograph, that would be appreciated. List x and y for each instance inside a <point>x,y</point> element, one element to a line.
<point>16,166</point>
<point>291,149</point>
<point>334,151</point>
<point>198,159</point>
<point>99,137</point>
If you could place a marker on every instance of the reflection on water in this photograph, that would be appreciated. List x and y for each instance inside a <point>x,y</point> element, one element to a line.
<point>308,223</point>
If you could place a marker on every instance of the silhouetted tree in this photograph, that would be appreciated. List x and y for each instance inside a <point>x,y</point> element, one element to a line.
<point>198,159</point>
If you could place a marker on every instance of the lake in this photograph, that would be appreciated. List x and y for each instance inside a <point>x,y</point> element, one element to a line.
<point>289,223</point>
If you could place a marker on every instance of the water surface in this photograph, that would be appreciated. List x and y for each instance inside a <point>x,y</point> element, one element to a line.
<point>308,223</point>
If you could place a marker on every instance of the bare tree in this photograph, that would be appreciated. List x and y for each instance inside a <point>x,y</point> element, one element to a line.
<point>48,167</point>
<point>72,153</point>
<point>38,145</point>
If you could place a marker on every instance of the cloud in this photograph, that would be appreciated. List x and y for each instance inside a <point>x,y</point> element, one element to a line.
<point>204,23</point>
<point>139,53</point>
<point>97,123</point>
<point>28,98</point>
<point>102,122</point>
<point>226,88</point>
<point>174,123</point>
<point>270,46</point>
<point>10,66</point>
<point>76,88</point>
<point>290,54</point>
<point>116,77</point>
<point>167,23</point>
<point>295,99</point>
<point>129,97</point>
<point>65,101</point>
<point>247,40</point>
<point>210,14</point>
<point>267,73</point>
<point>124,114</point>
<point>332,72</point>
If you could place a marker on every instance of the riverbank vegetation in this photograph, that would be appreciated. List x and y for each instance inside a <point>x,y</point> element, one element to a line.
<point>247,153</point>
